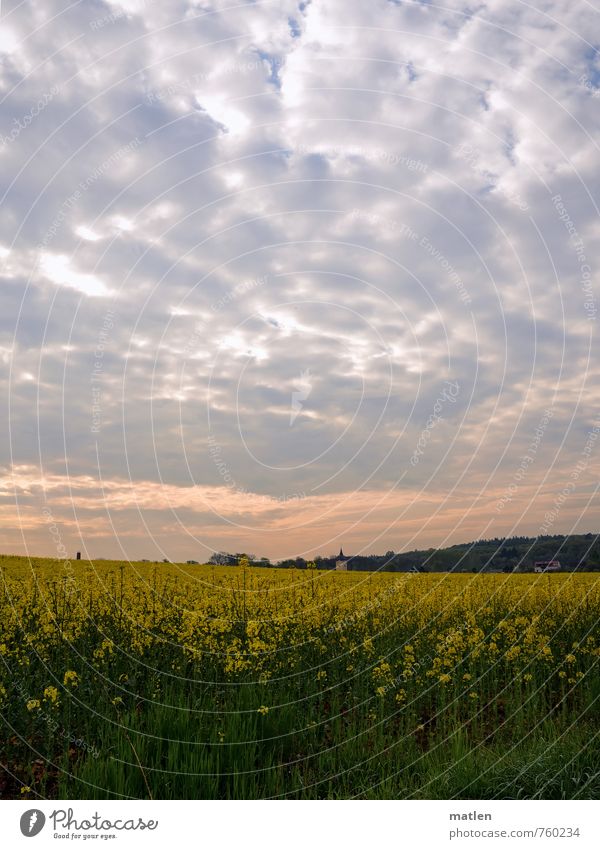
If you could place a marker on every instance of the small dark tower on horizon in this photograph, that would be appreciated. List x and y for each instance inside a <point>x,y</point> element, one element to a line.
<point>341,555</point>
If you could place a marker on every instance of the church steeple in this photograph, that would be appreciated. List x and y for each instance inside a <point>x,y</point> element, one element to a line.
<point>341,564</point>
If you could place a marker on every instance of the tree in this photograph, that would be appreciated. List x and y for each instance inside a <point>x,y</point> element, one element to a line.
<point>240,554</point>
<point>222,558</point>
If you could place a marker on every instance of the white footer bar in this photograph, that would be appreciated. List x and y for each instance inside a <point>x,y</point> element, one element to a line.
<point>302,825</point>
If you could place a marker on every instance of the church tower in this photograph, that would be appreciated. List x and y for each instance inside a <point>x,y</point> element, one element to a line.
<point>341,564</point>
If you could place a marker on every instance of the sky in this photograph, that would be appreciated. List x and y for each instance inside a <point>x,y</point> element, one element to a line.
<point>278,277</point>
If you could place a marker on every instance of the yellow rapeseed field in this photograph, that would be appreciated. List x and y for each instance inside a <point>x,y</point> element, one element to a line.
<point>285,676</point>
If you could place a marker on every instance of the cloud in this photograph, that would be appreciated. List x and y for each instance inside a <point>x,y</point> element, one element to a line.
<point>58,269</point>
<point>212,203</point>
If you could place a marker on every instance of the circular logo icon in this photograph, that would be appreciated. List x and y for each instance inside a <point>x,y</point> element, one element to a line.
<point>32,822</point>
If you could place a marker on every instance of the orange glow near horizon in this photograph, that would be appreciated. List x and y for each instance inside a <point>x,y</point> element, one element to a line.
<point>116,518</point>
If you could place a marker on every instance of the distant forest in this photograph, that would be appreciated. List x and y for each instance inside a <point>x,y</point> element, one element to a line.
<point>516,554</point>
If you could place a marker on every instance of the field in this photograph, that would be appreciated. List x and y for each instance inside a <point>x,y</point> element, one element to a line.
<point>167,681</point>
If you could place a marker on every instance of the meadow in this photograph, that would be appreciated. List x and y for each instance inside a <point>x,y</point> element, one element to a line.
<point>174,681</point>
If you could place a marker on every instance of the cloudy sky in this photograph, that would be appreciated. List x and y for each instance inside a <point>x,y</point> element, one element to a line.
<point>278,276</point>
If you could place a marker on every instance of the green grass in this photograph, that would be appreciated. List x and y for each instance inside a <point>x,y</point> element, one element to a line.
<point>143,749</point>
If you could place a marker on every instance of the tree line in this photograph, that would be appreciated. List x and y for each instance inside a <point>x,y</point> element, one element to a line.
<point>514,554</point>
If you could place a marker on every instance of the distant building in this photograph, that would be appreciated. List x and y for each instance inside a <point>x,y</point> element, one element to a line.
<point>547,566</point>
<point>341,564</point>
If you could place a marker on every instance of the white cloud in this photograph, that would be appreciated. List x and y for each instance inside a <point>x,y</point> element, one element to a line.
<point>87,233</point>
<point>59,269</point>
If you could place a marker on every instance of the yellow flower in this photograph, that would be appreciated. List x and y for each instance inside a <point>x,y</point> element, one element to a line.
<point>71,678</point>
<point>570,658</point>
<point>466,677</point>
<point>445,678</point>
<point>51,695</point>
<point>382,670</point>
<point>321,675</point>
<point>263,709</point>
<point>25,789</point>
<point>473,695</point>
<point>33,704</point>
